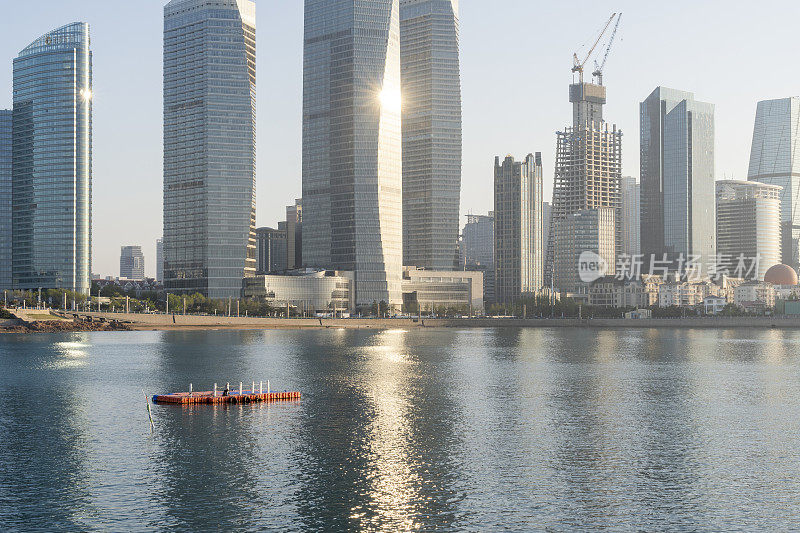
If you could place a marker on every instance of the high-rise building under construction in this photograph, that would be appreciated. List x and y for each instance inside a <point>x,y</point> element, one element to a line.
<point>588,162</point>
<point>588,169</point>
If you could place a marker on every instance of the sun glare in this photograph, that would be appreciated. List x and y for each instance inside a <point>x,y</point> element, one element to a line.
<point>390,98</point>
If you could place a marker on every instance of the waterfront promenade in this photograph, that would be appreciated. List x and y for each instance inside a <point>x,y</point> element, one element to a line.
<point>177,321</point>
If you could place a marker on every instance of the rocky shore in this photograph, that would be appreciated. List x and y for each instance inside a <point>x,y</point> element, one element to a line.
<point>63,326</point>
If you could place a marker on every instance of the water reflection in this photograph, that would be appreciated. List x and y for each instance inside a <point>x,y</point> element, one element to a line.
<point>441,430</point>
<point>379,458</point>
<point>43,422</point>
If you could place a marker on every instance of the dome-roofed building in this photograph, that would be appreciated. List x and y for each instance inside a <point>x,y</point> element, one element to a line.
<point>781,275</point>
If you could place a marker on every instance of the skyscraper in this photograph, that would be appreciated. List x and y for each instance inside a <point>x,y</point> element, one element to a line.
<point>5,199</point>
<point>748,225</point>
<point>431,92</point>
<point>588,167</point>
<point>677,176</point>
<point>271,250</point>
<point>478,239</point>
<point>294,235</point>
<point>477,250</point>
<point>159,261</point>
<point>631,245</point>
<point>209,145</point>
<point>131,263</point>
<point>52,162</point>
<point>352,168</point>
<point>775,159</point>
<point>518,249</point>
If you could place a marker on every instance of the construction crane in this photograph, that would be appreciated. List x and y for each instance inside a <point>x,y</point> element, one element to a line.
<point>598,69</point>
<point>577,64</point>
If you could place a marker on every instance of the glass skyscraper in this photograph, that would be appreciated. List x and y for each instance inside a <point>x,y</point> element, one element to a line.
<point>209,146</point>
<point>630,240</point>
<point>431,89</point>
<point>5,198</point>
<point>52,161</point>
<point>775,160</point>
<point>352,168</point>
<point>677,176</point>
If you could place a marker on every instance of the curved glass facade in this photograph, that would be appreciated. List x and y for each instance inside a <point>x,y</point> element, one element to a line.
<point>775,160</point>
<point>209,146</point>
<point>52,161</point>
<point>352,168</point>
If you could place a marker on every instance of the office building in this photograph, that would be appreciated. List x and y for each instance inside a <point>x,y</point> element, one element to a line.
<point>5,199</point>
<point>677,176</point>
<point>775,160</point>
<point>159,260</point>
<point>294,235</point>
<point>477,250</point>
<point>518,233</point>
<point>352,142</point>
<point>209,146</point>
<point>590,230</point>
<point>478,239</point>
<point>588,166</point>
<point>748,225</point>
<point>131,263</point>
<point>439,291</point>
<point>431,93</point>
<point>631,245</point>
<point>270,250</point>
<point>52,162</point>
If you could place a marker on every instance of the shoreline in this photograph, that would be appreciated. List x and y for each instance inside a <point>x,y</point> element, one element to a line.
<point>93,321</point>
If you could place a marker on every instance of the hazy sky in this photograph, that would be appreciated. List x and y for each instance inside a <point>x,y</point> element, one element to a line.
<point>516,57</point>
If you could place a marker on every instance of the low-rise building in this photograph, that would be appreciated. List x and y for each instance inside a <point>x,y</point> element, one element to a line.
<point>787,307</point>
<point>684,293</point>
<point>610,291</point>
<point>137,287</point>
<point>755,296</point>
<point>727,287</point>
<point>787,292</point>
<point>638,314</point>
<point>429,290</point>
<point>607,291</point>
<point>307,291</point>
<point>650,284</point>
<point>714,304</point>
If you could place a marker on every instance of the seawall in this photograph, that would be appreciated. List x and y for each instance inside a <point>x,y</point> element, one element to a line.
<point>161,321</point>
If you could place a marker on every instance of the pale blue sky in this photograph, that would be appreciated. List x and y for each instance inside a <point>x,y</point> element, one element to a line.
<point>516,59</point>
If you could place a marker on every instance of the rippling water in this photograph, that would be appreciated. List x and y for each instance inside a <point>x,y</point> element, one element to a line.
<point>425,429</point>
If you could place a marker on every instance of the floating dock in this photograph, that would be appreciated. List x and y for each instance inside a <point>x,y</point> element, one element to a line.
<point>234,396</point>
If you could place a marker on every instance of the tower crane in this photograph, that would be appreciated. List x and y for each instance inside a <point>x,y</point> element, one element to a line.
<point>577,64</point>
<point>598,69</point>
